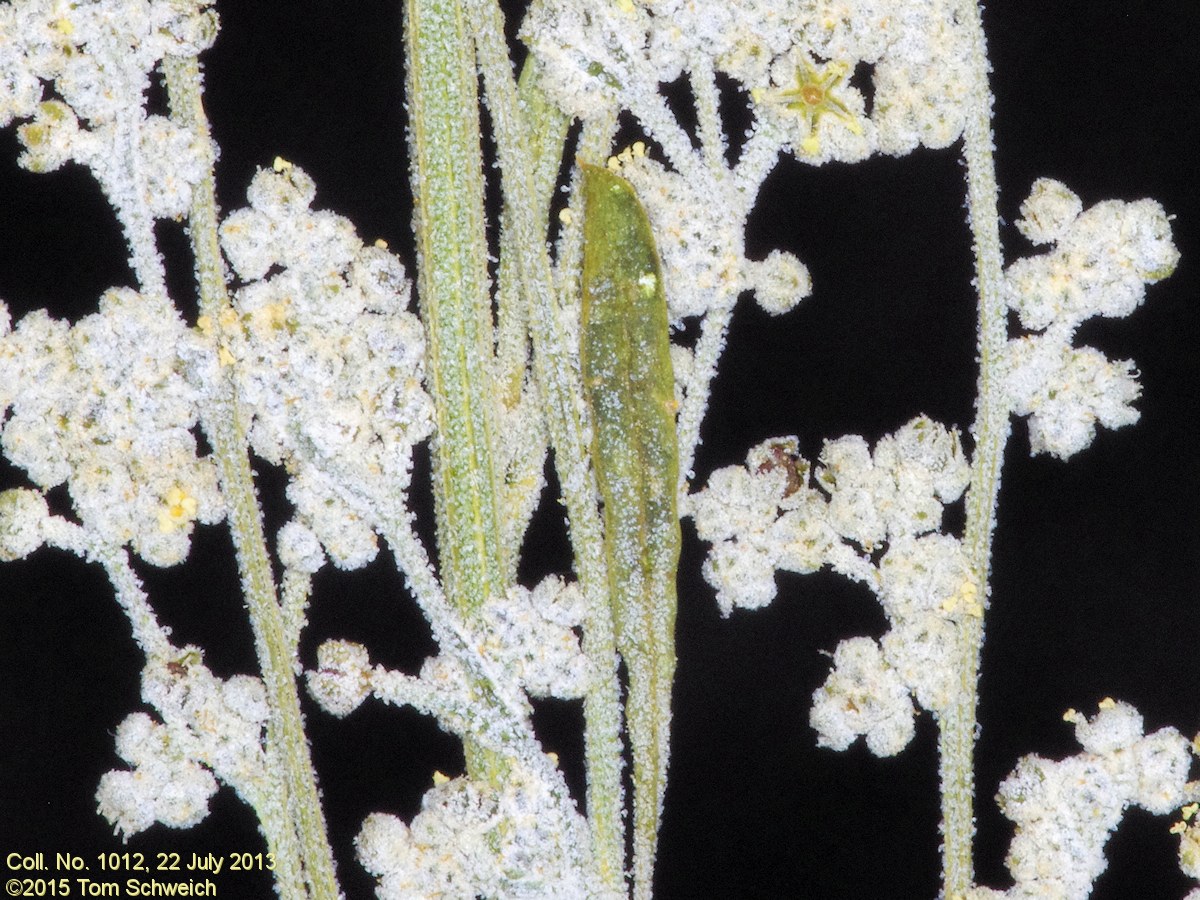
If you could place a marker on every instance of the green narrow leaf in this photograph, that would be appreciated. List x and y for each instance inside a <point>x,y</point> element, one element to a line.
<point>630,392</point>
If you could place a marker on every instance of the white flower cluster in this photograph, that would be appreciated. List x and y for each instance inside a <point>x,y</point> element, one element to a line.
<point>759,518</point>
<point>473,839</point>
<point>1065,810</point>
<point>601,55</point>
<point>210,727</point>
<point>164,785</point>
<point>917,57</point>
<point>105,406</point>
<point>99,55</point>
<point>531,634</point>
<point>610,55</point>
<point>927,591</point>
<point>766,517</point>
<point>342,679</point>
<point>1100,263</point>
<point>328,363</point>
<point>863,695</point>
<point>528,634</point>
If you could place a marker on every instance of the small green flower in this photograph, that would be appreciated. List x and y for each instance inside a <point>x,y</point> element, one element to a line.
<point>814,96</point>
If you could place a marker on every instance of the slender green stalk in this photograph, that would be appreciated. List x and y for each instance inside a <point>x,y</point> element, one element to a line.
<point>292,820</point>
<point>136,220</point>
<point>448,196</point>
<point>956,742</point>
<point>536,146</point>
<point>531,136</point>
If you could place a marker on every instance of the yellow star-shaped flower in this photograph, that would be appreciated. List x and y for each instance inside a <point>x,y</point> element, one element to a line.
<point>814,96</point>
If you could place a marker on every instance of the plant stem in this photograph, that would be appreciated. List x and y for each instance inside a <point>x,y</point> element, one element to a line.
<point>452,278</point>
<point>958,724</point>
<point>536,146</point>
<point>291,817</point>
<point>529,136</point>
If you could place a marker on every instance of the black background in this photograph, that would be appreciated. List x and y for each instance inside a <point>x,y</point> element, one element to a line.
<point>1094,569</point>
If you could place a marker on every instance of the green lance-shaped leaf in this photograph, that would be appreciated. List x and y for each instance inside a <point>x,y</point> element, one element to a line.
<point>630,391</point>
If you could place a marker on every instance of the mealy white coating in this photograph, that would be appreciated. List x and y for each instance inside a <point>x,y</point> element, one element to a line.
<point>1065,810</point>
<point>106,406</point>
<point>210,729</point>
<point>780,512</point>
<point>327,361</point>
<point>1099,264</point>
<point>473,839</point>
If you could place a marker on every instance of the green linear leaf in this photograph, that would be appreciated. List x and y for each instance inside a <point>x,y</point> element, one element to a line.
<point>630,392</point>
